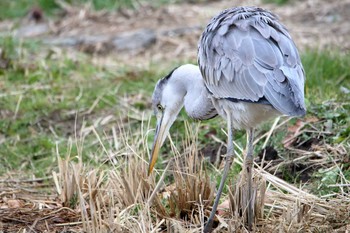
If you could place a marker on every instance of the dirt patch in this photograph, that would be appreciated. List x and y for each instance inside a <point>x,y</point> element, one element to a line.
<point>27,204</point>
<point>155,34</point>
<point>37,220</point>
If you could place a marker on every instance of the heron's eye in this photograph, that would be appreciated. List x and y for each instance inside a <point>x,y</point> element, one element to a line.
<point>160,107</point>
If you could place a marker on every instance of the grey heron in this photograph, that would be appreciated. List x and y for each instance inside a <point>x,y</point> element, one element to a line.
<point>249,72</point>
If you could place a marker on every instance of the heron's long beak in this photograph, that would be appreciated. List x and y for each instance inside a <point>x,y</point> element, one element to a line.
<point>163,125</point>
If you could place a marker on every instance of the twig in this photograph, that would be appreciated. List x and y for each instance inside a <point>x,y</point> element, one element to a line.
<point>265,134</point>
<point>271,131</point>
<point>16,220</point>
<point>69,224</point>
<point>17,107</point>
<point>338,185</point>
<point>28,88</point>
<point>94,104</point>
<point>159,184</point>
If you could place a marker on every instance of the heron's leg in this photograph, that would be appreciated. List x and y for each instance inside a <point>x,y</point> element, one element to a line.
<point>229,160</point>
<point>249,169</point>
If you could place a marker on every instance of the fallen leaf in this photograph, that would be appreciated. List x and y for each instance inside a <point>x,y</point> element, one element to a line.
<point>292,131</point>
<point>312,119</point>
<point>223,207</point>
<point>12,204</point>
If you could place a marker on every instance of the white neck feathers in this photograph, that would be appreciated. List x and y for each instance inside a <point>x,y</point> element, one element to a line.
<point>197,102</point>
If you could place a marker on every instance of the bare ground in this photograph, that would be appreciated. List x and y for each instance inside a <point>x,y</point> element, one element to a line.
<point>313,24</point>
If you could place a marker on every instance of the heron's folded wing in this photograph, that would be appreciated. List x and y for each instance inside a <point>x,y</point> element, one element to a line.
<point>252,58</point>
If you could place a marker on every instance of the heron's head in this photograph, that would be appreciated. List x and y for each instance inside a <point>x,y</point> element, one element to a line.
<point>167,102</point>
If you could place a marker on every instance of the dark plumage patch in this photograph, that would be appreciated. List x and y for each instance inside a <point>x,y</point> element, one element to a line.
<point>262,100</point>
<point>210,114</point>
<point>163,81</point>
<point>169,75</point>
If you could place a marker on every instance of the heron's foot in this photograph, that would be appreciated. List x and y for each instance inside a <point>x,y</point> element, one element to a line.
<point>208,226</point>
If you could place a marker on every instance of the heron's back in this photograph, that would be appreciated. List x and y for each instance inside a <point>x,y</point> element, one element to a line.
<point>246,55</point>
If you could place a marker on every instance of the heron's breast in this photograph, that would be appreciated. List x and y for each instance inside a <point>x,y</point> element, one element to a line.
<point>245,115</point>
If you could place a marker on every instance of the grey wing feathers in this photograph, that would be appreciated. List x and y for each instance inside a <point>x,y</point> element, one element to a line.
<point>246,54</point>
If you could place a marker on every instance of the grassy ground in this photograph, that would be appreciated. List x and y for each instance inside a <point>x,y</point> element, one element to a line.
<point>45,96</point>
<point>54,102</point>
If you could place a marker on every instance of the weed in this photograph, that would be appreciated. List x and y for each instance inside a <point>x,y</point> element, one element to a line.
<point>277,2</point>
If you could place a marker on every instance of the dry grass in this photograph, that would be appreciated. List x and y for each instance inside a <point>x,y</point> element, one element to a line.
<point>124,199</point>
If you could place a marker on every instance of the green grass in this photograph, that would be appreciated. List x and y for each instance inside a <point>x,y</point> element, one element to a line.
<point>14,9</point>
<point>327,87</point>
<point>277,2</point>
<point>326,74</point>
<point>40,98</point>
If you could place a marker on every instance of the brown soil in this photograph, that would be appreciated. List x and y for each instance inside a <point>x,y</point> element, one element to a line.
<point>313,24</point>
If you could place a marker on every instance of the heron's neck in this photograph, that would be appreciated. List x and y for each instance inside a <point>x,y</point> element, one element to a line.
<point>197,102</point>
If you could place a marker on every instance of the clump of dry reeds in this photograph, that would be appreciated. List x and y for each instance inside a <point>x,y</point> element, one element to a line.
<point>124,199</point>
